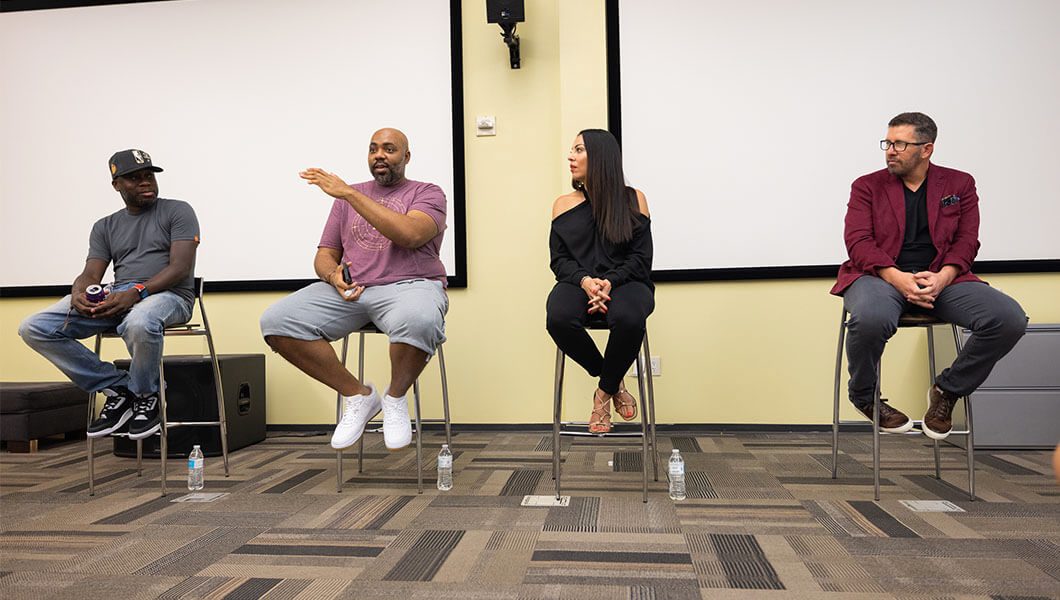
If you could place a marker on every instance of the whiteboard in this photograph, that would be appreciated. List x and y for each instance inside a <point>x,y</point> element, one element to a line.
<point>232,98</point>
<point>745,123</point>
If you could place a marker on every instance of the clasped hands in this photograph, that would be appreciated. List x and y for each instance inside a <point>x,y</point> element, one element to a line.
<point>921,289</point>
<point>599,292</point>
<point>115,304</point>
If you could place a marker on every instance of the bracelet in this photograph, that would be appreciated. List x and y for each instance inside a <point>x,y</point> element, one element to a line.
<point>583,279</point>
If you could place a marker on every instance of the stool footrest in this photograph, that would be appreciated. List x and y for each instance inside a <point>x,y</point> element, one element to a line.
<point>918,426</point>
<point>627,430</point>
<point>602,435</point>
<point>411,420</point>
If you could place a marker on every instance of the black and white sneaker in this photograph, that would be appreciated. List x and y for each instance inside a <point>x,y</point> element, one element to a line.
<point>117,410</point>
<point>145,421</point>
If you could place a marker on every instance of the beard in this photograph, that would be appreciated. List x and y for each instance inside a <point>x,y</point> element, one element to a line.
<point>388,177</point>
<point>902,168</point>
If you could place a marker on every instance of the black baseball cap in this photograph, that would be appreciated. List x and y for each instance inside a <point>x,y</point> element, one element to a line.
<point>128,161</point>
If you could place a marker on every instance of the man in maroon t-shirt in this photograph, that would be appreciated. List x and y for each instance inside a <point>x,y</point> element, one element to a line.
<point>378,263</point>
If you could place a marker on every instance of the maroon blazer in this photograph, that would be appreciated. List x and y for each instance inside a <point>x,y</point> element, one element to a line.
<point>875,223</point>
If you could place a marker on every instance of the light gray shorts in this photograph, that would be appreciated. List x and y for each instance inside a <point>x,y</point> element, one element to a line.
<point>409,312</point>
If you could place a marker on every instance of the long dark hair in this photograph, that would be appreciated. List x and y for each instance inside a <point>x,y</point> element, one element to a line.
<point>614,204</point>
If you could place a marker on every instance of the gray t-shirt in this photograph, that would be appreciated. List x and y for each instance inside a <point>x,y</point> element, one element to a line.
<point>139,244</point>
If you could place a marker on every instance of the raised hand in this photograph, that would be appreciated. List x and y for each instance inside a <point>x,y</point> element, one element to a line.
<point>332,184</point>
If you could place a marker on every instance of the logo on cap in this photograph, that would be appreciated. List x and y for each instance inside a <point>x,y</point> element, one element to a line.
<point>141,157</point>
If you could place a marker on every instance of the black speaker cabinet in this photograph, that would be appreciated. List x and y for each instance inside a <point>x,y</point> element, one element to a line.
<point>190,396</point>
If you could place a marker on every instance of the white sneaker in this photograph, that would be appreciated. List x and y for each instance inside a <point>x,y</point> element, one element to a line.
<point>397,430</point>
<point>356,412</point>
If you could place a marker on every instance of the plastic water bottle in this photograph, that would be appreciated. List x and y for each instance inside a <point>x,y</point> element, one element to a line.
<point>445,469</point>
<point>195,466</point>
<point>677,476</point>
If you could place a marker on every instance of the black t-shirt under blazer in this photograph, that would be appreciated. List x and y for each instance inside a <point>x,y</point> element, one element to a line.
<point>917,248</point>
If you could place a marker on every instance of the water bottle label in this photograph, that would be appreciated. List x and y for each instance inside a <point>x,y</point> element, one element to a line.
<point>677,469</point>
<point>194,463</point>
<point>445,462</point>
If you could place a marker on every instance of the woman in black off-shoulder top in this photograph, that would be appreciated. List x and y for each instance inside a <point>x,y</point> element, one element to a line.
<point>601,254</point>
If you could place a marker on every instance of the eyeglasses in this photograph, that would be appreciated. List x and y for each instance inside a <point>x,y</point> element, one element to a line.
<point>899,146</point>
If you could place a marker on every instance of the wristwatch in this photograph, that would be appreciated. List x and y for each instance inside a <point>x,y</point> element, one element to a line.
<point>140,289</point>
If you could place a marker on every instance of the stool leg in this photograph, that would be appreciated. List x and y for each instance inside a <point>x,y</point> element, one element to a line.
<point>139,458</point>
<point>835,393</point>
<point>338,471</point>
<point>360,377</point>
<point>445,399</point>
<point>970,447</point>
<point>643,372</point>
<point>91,469</point>
<point>938,460</point>
<point>651,412</point>
<point>931,378</point>
<point>338,417</point>
<point>91,453</point>
<point>222,419</point>
<point>221,416</point>
<point>360,452</point>
<point>92,413</point>
<point>876,435</point>
<point>419,438</point>
<point>557,410</point>
<point>162,418</point>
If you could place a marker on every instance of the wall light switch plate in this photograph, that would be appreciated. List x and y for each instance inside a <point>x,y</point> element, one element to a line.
<point>485,125</point>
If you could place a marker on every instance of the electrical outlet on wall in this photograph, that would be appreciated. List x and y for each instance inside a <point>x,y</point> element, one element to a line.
<point>656,367</point>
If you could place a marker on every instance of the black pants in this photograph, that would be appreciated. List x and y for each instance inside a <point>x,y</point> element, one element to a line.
<point>567,316</point>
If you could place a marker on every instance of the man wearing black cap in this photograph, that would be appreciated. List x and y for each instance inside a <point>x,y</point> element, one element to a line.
<point>152,243</point>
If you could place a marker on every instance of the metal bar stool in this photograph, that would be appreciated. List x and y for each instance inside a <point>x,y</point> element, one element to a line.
<point>907,320</point>
<point>647,414</point>
<point>371,328</point>
<point>186,329</point>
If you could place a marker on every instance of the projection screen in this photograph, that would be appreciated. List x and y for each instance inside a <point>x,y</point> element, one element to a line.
<point>745,122</point>
<point>232,98</point>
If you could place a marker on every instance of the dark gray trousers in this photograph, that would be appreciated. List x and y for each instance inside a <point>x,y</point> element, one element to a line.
<point>996,321</point>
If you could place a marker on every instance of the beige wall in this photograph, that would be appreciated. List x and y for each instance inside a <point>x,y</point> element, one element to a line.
<point>732,352</point>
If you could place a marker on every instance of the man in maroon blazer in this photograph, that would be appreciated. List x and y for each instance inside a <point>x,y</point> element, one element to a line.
<point>912,233</point>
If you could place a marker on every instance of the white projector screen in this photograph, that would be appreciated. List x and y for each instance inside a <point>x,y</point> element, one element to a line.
<point>745,123</point>
<point>232,98</point>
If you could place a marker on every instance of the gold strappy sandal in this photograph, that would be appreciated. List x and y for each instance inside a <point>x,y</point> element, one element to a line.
<point>625,405</point>
<point>600,419</point>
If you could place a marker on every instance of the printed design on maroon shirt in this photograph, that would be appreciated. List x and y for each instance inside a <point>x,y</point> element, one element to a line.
<point>368,237</point>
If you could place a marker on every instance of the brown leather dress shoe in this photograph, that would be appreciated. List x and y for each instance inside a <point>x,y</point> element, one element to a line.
<point>938,420</point>
<point>892,420</point>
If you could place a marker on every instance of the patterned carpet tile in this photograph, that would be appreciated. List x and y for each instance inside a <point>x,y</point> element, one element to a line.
<point>763,519</point>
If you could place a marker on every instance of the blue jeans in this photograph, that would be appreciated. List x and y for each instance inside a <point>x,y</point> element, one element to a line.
<point>54,332</point>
